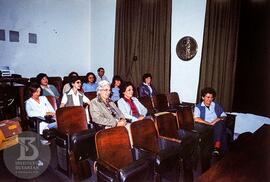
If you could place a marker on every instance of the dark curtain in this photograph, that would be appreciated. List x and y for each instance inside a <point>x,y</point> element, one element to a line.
<point>143,41</point>
<point>219,52</point>
<point>252,83</point>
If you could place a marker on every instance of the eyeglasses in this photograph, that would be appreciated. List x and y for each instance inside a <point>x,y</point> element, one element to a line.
<point>78,82</point>
<point>106,90</point>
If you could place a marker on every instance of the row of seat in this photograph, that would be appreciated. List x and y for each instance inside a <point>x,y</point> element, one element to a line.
<point>159,103</point>
<point>157,147</point>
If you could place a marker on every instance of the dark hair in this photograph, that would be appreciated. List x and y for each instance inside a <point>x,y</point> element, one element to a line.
<point>73,79</point>
<point>73,73</point>
<point>98,70</point>
<point>208,90</point>
<point>70,75</point>
<point>124,86</point>
<point>116,77</point>
<point>146,75</point>
<point>33,88</point>
<point>88,74</point>
<point>40,76</point>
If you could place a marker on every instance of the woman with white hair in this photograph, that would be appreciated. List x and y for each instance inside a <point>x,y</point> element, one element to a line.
<point>103,110</point>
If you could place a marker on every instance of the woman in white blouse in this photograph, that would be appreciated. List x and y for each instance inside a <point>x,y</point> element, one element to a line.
<point>74,97</point>
<point>129,105</point>
<point>39,106</point>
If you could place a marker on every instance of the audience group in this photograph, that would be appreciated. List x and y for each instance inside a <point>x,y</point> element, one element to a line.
<point>116,105</point>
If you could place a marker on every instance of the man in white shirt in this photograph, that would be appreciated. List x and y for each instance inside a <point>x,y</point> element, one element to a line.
<point>101,75</point>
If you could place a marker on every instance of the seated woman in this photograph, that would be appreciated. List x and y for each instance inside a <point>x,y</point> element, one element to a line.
<point>74,97</point>
<point>115,88</point>
<point>146,88</point>
<point>129,105</point>
<point>103,111</point>
<point>209,117</point>
<point>67,87</point>
<point>39,106</point>
<point>90,85</point>
<point>47,88</point>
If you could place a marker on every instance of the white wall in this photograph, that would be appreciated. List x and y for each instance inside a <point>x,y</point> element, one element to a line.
<point>79,35</point>
<point>102,35</point>
<point>187,20</point>
<point>63,36</point>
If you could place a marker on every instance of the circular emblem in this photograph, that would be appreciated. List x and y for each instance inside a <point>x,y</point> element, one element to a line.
<point>186,48</point>
<point>29,158</point>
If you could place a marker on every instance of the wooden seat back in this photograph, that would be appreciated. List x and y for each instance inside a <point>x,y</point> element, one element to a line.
<point>148,104</point>
<point>167,125</point>
<point>90,95</point>
<point>173,100</point>
<point>144,135</point>
<point>113,147</point>
<point>71,119</point>
<point>57,82</point>
<point>160,102</point>
<point>185,118</point>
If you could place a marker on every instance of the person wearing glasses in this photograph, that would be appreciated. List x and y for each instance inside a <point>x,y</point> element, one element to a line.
<point>74,97</point>
<point>90,85</point>
<point>67,87</point>
<point>103,110</point>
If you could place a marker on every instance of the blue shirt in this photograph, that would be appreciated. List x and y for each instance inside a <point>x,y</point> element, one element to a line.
<point>88,87</point>
<point>115,94</point>
<point>210,113</point>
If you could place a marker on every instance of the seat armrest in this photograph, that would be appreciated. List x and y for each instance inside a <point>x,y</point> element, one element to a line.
<point>106,165</point>
<point>188,104</point>
<point>136,168</point>
<point>83,145</point>
<point>166,143</point>
<point>62,139</point>
<point>139,153</point>
<point>106,172</point>
<point>34,123</point>
<point>170,139</point>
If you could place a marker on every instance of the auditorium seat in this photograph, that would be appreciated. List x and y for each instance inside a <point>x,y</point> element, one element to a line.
<point>167,126</point>
<point>75,142</point>
<point>166,151</point>
<point>116,161</point>
<point>148,104</point>
<point>161,103</point>
<point>185,118</point>
<point>173,100</point>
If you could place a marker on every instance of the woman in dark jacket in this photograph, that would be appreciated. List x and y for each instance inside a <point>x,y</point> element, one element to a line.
<point>146,88</point>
